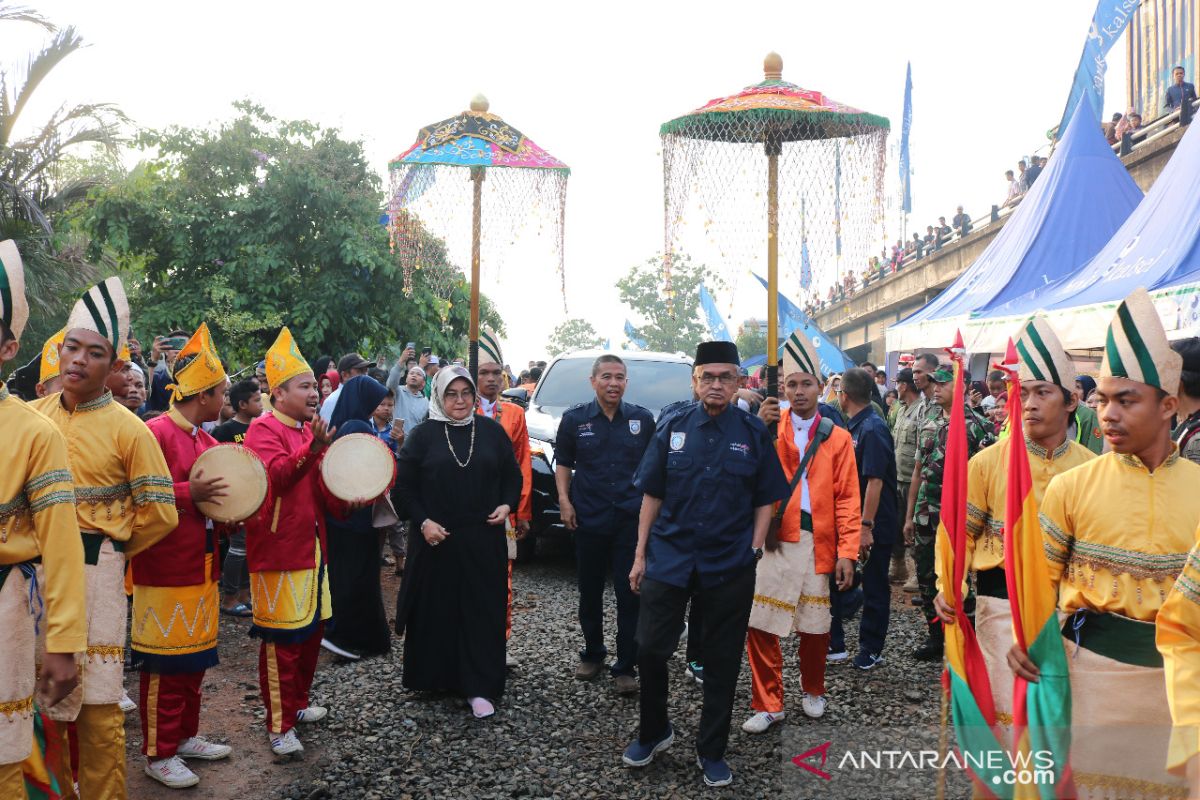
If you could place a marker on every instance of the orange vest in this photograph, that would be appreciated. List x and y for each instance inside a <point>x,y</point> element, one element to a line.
<point>512,418</point>
<point>832,491</point>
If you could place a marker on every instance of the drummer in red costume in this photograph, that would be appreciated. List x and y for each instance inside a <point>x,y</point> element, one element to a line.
<point>512,418</point>
<point>285,545</point>
<point>175,596</point>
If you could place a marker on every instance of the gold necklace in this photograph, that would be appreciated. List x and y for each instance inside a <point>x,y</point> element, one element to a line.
<point>470,452</point>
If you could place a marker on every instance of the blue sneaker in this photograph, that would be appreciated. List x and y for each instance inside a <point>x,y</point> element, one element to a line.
<point>695,671</point>
<point>716,771</point>
<point>866,660</point>
<point>639,753</point>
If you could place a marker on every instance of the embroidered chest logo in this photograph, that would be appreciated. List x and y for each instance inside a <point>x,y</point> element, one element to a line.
<point>677,440</point>
<point>740,447</point>
<point>635,426</point>
<point>585,430</point>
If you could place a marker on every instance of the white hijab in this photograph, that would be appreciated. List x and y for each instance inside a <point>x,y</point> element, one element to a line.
<point>441,382</point>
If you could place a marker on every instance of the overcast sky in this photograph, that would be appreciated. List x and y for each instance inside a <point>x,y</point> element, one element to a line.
<point>591,83</point>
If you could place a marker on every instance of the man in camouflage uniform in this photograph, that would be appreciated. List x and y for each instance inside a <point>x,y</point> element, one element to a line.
<point>911,402</point>
<point>930,464</point>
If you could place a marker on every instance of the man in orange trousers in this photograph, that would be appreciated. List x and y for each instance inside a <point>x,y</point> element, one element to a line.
<point>818,533</point>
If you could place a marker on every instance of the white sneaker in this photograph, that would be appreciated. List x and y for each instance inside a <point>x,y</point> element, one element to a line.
<point>172,773</point>
<point>285,744</point>
<point>761,721</point>
<point>836,658</point>
<point>198,747</point>
<point>127,705</point>
<point>510,660</point>
<point>311,714</point>
<point>339,651</point>
<point>814,705</point>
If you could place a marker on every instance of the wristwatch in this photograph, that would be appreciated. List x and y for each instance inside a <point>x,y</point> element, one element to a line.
<point>758,553</point>
<point>868,523</point>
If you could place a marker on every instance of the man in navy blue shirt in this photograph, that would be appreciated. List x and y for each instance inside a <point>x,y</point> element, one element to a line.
<point>1181,95</point>
<point>875,454</point>
<point>710,479</point>
<point>603,442</point>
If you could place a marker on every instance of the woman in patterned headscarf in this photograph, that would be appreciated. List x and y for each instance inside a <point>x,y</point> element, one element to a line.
<point>458,481</point>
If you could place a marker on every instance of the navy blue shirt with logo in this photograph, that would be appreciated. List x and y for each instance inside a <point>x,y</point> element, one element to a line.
<point>711,474</point>
<point>875,453</point>
<point>604,454</point>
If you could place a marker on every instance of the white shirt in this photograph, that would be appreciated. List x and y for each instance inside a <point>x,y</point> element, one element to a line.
<point>330,404</point>
<point>486,408</point>
<point>803,429</point>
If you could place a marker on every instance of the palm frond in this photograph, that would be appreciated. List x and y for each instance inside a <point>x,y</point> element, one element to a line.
<point>64,43</point>
<point>11,13</point>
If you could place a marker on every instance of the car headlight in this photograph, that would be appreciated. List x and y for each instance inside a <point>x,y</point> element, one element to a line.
<point>544,449</point>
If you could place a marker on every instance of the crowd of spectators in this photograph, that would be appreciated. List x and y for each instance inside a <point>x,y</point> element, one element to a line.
<point>1122,130</point>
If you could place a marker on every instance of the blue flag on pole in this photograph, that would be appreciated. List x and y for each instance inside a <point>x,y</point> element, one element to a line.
<point>805,263</point>
<point>631,334</point>
<point>905,130</point>
<point>837,197</point>
<point>712,315</point>
<point>792,318</point>
<point>1108,23</point>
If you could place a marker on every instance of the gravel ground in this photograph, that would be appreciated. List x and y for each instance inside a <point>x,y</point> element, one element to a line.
<point>555,737</point>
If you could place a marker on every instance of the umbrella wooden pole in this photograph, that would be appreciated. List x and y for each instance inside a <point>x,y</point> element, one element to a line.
<point>476,213</point>
<point>774,147</point>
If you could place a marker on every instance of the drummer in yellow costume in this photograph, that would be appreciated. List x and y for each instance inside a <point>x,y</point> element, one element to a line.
<point>1047,383</point>
<point>175,596</point>
<point>124,503</point>
<point>1117,531</point>
<point>37,521</point>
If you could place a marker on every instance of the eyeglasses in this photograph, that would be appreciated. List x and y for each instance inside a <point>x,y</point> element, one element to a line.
<point>454,397</point>
<point>725,379</point>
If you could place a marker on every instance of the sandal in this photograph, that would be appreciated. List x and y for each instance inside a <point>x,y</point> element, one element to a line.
<point>240,610</point>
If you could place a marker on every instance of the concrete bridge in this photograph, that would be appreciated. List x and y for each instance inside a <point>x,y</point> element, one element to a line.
<point>858,323</point>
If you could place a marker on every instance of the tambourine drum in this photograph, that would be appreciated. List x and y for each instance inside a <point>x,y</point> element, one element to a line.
<point>245,475</point>
<point>358,468</point>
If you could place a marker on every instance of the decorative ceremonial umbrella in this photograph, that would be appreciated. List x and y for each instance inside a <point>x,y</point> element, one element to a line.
<point>528,186</point>
<point>832,157</point>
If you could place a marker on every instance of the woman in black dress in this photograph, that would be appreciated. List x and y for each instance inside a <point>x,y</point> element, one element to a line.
<point>458,481</point>
<point>359,626</point>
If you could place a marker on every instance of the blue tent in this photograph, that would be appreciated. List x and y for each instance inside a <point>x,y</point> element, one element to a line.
<point>792,318</point>
<point>1158,248</point>
<point>1075,206</point>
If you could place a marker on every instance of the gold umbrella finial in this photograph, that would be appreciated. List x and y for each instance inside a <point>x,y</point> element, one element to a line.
<point>480,104</point>
<point>773,66</point>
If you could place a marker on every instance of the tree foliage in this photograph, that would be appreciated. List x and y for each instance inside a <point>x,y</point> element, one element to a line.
<point>42,173</point>
<point>676,327</point>
<point>752,341</point>
<point>264,222</point>
<point>573,334</point>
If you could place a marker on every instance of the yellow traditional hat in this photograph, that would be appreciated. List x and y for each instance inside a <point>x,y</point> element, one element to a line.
<point>800,355</point>
<point>197,367</point>
<point>1137,348</point>
<point>49,368</point>
<point>1042,357</point>
<point>14,308</point>
<point>284,361</point>
<point>489,348</point>
<point>103,309</point>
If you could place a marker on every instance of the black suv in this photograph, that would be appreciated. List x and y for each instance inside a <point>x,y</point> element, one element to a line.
<point>655,380</point>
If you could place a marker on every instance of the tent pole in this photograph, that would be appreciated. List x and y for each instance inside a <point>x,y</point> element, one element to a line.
<point>476,209</point>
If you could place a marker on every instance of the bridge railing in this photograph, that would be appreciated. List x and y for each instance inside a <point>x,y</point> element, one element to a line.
<point>1156,130</point>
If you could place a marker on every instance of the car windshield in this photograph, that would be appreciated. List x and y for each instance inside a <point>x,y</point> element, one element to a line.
<point>652,384</point>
